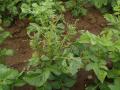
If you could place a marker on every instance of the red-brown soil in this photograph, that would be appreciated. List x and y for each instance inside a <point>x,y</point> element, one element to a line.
<point>84,78</point>
<point>19,42</point>
<point>93,21</point>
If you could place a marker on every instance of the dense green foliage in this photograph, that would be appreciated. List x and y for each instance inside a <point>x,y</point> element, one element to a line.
<point>57,56</point>
<point>78,7</point>
<point>8,8</point>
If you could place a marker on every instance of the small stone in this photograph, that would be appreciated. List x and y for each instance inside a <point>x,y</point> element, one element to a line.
<point>90,77</point>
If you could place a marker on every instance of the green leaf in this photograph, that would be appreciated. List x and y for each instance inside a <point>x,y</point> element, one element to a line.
<point>6,52</point>
<point>56,85</point>
<point>91,88</point>
<point>116,8</point>
<point>7,75</point>
<point>4,87</point>
<point>25,8</point>
<point>111,18</point>
<point>99,3</point>
<point>69,82</point>
<point>37,78</point>
<point>88,37</point>
<point>44,58</point>
<point>101,73</point>
<point>3,36</point>
<point>75,65</point>
<point>47,86</point>
<point>70,4</point>
<point>34,61</point>
<point>19,83</point>
<point>113,73</point>
<point>104,86</point>
<point>116,85</point>
<point>72,65</point>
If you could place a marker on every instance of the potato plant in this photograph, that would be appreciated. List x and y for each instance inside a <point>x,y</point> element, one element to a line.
<point>104,50</point>
<point>57,55</point>
<point>78,7</point>
<point>102,55</point>
<point>51,61</point>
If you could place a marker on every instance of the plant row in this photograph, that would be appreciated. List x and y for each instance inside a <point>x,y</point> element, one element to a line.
<point>57,55</point>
